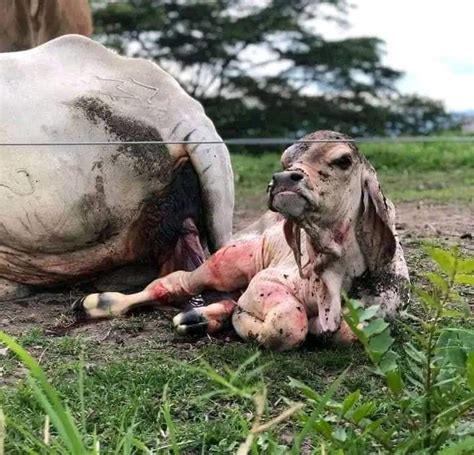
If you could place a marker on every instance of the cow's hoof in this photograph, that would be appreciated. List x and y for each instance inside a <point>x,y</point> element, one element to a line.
<point>191,322</point>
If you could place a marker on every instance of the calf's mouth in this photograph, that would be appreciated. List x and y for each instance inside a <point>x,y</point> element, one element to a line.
<point>288,194</point>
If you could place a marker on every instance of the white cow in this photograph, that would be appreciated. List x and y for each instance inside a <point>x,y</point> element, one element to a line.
<point>69,212</point>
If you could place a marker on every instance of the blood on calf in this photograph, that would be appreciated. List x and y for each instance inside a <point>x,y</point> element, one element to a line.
<point>233,266</point>
<point>159,292</point>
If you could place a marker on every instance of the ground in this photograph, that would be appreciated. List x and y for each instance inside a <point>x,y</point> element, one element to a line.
<point>128,361</point>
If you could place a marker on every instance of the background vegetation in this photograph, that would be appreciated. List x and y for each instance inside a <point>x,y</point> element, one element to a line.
<point>264,68</point>
<point>436,172</point>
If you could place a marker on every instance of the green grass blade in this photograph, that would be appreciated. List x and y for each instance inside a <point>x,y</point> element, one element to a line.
<point>33,440</point>
<point>461,447</point>
<point>2,432</point>
<point>243,366</point>
<point>48,397</point>
<point>166,409</point>
<point>50,410</point>
<point>300,437</point>
<point>80,387</point>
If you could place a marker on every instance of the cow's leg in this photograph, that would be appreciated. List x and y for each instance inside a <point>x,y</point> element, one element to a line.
<point>269,312</point>
<point>229,269</point>
<point>9,290</point>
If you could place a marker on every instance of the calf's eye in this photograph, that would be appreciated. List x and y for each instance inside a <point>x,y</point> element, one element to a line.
<point>343,162</point>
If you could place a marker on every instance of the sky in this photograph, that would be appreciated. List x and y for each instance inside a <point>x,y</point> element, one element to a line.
<point>432,41</point>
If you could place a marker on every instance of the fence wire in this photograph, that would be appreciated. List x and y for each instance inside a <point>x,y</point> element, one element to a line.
<point>256,141</point>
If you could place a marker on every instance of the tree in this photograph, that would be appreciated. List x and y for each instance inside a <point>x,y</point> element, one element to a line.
<point>262,69</point>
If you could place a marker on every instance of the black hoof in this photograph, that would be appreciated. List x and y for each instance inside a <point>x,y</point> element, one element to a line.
<point>78,311</point>
<point>190,322</point>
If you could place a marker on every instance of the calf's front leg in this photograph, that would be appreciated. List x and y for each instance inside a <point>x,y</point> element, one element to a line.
<point>329,308</point>
<point>229,269</point>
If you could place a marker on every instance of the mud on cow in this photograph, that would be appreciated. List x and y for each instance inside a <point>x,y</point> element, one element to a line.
<point>330,230</point>
<point>71,212</point>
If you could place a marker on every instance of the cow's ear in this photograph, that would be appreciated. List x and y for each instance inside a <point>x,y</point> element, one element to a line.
<point>375,230</point>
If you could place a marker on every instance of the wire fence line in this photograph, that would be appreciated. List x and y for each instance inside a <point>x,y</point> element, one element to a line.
<point>257,141</point>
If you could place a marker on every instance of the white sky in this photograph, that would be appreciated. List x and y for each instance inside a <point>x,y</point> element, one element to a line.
<point>432,41</point>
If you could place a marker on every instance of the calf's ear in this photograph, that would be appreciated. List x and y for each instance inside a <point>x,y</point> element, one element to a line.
<point>375,228</point>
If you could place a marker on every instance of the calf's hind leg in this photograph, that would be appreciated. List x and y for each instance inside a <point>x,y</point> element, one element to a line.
<point>269,312</point>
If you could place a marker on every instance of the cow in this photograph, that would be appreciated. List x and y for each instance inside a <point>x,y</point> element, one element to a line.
<point>28,23</point>
<point>71,213</point>
<point>330,230</point>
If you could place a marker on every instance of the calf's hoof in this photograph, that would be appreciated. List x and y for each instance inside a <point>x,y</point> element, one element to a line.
<point>191,322</point>
<point>207,319</point>
<point>78,310</point>
<point>98,306</point>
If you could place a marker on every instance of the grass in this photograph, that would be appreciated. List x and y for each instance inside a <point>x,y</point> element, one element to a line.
<point>124,377</point>
<point>436,172</point>
<point>123,386</point>
<point>113,388</point>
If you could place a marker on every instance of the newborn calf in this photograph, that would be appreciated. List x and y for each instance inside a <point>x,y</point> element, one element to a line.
<point>332,231</point>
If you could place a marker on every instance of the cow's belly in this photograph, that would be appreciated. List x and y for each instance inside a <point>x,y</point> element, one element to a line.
<point>69,202</point>
<point>51,224</point>
<point>53,237</point>
<point>46,269</point>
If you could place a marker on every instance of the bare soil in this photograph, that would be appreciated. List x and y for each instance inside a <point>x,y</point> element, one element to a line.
<point>50,312</point>
<point>428,220</point>
<point>413,218</point>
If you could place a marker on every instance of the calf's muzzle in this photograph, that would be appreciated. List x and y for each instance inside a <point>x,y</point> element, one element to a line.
<point>285,193</point>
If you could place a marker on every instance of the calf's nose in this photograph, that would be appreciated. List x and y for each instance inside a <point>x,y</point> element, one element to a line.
<point>287,178</point>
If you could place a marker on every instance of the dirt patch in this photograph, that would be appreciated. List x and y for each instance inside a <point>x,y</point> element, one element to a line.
<point>432,220</point>
<point>50,312</point>
<point>418,219</point>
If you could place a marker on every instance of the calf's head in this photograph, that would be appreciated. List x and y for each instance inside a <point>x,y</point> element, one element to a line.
<point>327,188</point>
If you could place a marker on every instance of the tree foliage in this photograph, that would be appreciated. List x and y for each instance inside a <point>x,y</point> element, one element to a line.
<point>263,68</point>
